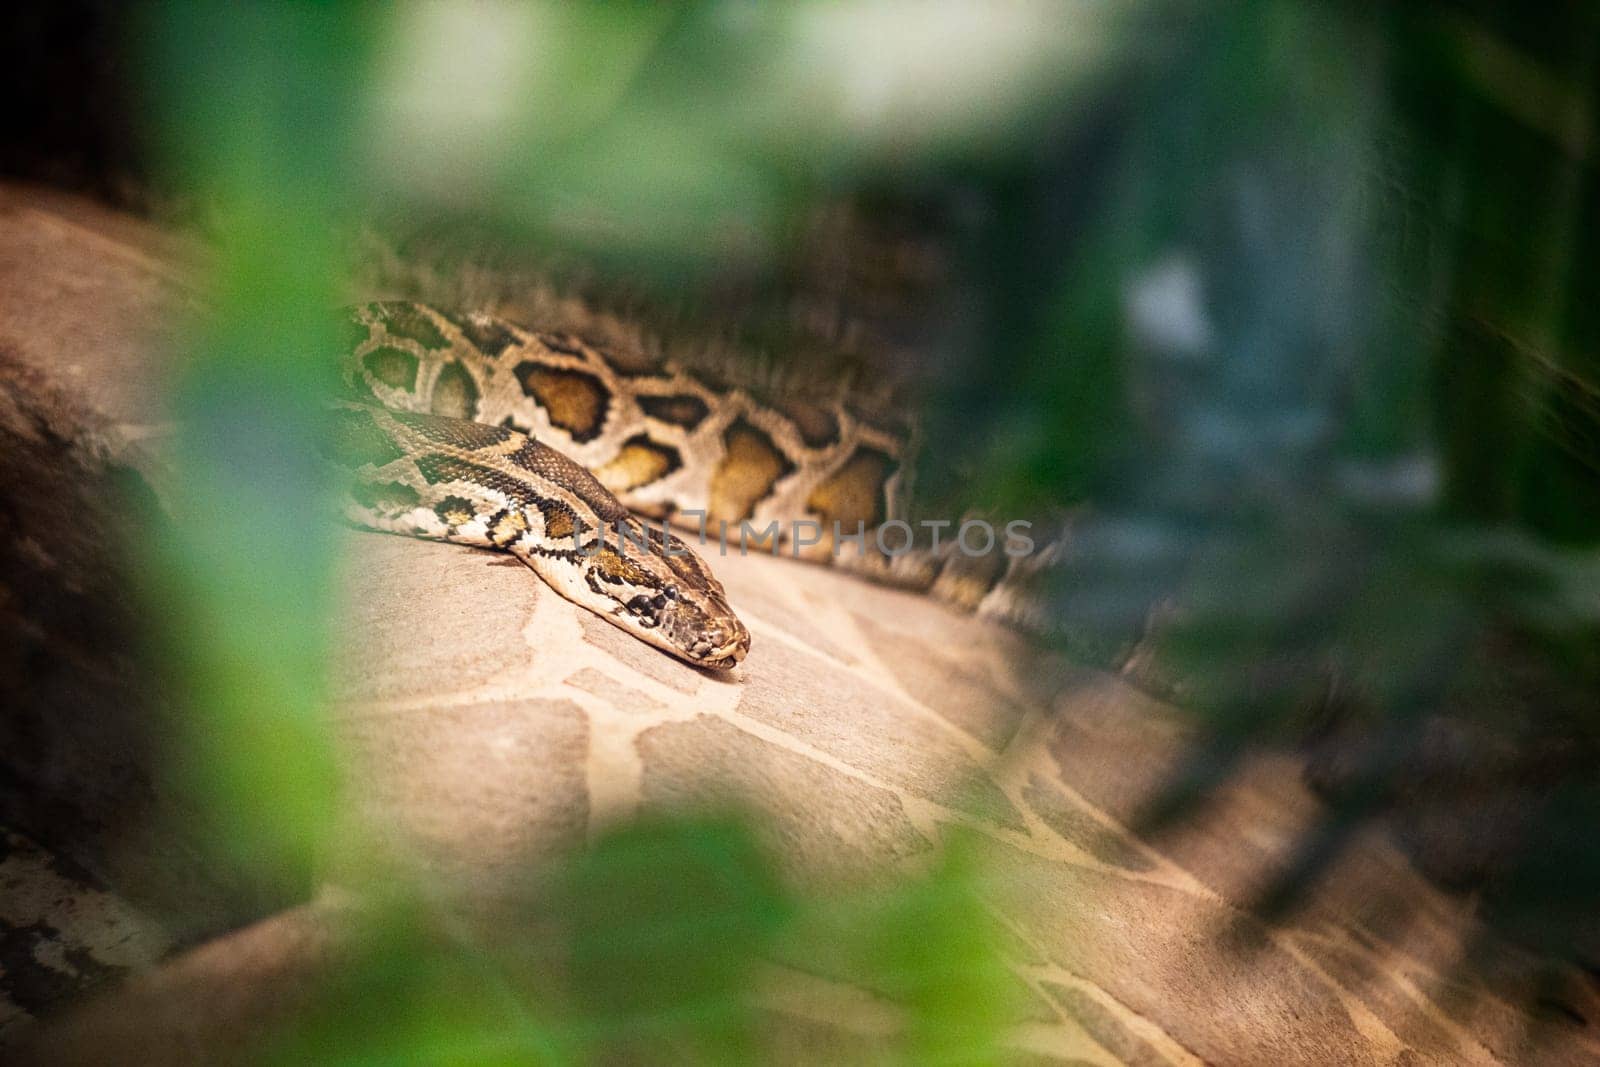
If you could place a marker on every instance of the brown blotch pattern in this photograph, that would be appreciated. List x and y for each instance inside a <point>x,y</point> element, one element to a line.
<point>750,467</point>
<point>412,323</point>
<point>455,511</point>
<point>856,492</point>
<point>632,360</point>
<point>817,425</point>
<point>639,461</point>
<point>455,394</point>
<point>617,568</point>
<point>392,366</point>
<point>506,526</point>
<point>686,409</point>
<point>488,335</point>
<point>576,402</point>
<point>559,520</point>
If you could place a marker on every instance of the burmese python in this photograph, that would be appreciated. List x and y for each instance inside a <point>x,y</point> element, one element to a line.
<point>468,428</point>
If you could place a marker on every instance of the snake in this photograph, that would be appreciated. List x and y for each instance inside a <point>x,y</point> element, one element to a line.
<point>462,426</point>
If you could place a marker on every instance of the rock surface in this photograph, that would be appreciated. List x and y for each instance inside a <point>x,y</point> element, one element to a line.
<point>867,724</point>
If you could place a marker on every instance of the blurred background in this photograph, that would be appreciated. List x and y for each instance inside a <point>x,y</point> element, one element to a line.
<point>1283,311</point>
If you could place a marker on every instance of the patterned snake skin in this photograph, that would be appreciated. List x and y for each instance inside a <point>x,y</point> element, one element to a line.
<point>488,434</point>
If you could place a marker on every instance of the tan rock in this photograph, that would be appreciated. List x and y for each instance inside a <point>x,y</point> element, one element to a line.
<point>486,726</point>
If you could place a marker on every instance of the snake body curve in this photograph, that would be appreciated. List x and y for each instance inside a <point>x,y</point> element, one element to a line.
<point>465,427</point>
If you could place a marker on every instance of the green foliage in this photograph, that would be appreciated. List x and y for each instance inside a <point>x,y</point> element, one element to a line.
<point>1388,247</point>
<point>243,579</point>
<point>931,945</point>
<point>651,945</point>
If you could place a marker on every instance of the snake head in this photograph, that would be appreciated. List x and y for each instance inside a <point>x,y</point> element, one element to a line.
<point>662,593</point>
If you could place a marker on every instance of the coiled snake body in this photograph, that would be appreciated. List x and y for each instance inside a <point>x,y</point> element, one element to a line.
<point>468,428</point>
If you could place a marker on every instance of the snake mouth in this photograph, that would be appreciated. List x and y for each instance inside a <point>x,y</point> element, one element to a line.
<point>722,657</point>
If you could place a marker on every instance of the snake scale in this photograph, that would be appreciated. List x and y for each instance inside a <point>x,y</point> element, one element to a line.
<point>468,428</point>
